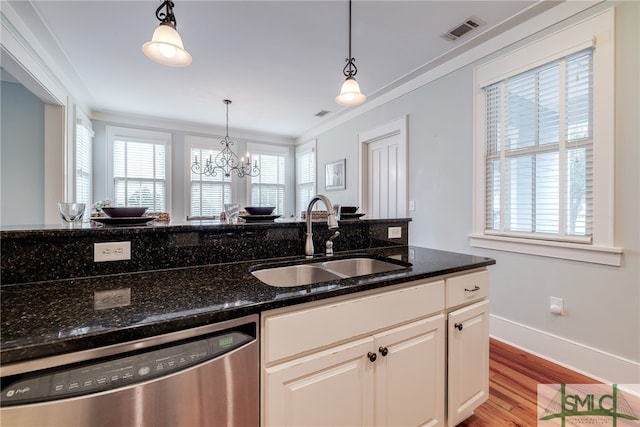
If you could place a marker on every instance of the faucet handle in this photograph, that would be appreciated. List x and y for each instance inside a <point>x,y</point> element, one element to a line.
<point>329,244</point>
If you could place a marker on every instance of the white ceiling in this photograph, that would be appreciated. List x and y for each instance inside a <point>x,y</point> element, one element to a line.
<point>280,62</point>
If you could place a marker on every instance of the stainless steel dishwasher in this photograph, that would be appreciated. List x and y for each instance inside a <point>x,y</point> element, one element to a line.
<point>205,376</point>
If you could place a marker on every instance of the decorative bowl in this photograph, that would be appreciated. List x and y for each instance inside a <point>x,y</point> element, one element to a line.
<point>124,212</point>
<point>259,210</point>
<point>348,209</point>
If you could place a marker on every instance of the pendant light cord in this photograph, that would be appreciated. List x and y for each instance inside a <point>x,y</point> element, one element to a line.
<point>350,57</point>
<point>350,69</point>
<point>227,101</point>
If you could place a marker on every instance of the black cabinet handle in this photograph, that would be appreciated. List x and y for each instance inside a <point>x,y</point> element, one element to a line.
<point>458,326</point>
<point>372,356</point>
<point>475,288</point>
<point>383,351</point>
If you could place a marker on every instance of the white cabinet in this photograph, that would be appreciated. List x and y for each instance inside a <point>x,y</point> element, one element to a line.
<point>409,380</point>
<point>467,345</point>
<point>391,375</point>
<point>330,388</point>
<point>411,355</point>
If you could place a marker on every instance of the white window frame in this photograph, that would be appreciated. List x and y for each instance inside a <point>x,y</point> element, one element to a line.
<point>205,143</point>
<point>269,150</point>
<point>114,132</point>
<point>83,122</point>
<point>596,32</point>
<point>303,150</point>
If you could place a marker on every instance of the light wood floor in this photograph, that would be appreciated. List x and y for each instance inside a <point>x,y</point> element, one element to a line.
<point>513,379</point>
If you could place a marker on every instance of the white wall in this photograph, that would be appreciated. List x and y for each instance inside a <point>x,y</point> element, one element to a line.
<point>600,331</point>
<point>22,157</point>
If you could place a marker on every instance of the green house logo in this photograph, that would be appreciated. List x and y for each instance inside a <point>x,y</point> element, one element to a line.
<point>586,404</point>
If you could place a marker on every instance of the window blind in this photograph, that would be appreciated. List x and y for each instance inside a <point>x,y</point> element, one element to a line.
<point>139,174</point>
<point>83,165</point>
<point>538,152</point>
<point>208,194</point>
<point>268,188</point>
<point>305,179</point>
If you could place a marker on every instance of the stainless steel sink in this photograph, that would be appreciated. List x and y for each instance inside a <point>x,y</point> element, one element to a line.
<point>306,274</point>
<point>294,275</point>
<point>353,267</point>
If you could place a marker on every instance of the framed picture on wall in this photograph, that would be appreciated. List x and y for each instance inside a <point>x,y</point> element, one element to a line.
<point>334,178</point>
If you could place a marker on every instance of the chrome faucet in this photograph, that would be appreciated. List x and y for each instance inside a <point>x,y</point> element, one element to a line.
<point>331,222</point>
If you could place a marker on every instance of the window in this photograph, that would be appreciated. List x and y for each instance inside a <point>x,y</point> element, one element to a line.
<point>305,175</point>
<point>83,163</point>
<point>140,168</point>
<point>538,152</point>
<point>543,146</point>
<point>208,194</point>
<point>268,188</point>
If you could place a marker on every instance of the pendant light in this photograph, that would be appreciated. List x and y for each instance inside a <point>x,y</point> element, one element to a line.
<point>350,94</point>
<point>166,46</point>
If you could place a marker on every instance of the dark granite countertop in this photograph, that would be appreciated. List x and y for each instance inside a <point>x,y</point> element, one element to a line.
<point>55,317</point>
<point>91,228</point>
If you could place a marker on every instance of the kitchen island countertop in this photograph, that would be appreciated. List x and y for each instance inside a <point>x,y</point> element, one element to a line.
<point>55,317</point>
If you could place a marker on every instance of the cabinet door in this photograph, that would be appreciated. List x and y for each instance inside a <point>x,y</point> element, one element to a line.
<point>329,388</point>
<point>468,360</point>
<point>410,378</point>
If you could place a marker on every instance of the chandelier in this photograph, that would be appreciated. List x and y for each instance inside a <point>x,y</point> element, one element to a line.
<point>226,161</point>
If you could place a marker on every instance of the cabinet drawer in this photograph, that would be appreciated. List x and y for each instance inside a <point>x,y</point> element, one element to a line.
<point>467,288</point>
<point>293,332</point>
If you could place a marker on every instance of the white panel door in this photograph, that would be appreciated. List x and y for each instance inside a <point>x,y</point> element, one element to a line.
<point>330,388</point>
<point>383,177</point>
<point>384,156</point>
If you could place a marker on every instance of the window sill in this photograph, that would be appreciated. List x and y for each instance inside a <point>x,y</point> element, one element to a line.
<point>570,251</point>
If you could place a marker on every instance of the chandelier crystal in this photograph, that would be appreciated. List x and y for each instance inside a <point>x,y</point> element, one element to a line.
<point>226,161</point>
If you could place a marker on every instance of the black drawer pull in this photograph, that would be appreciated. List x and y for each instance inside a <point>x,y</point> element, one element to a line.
<point>372,356</point>
<point>475,288</point>
<point>458,326</point>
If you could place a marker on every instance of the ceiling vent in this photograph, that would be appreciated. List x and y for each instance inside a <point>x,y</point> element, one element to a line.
<point>322,113</point>
<point>462,29</point>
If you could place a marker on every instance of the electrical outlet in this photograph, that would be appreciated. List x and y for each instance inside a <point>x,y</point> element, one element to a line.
<point>556,305</point>
<point>111,251</point>
<point>412,205</point>
<point>395,232</point>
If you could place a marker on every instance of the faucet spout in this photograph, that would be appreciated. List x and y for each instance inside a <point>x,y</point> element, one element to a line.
<point>332,223</point>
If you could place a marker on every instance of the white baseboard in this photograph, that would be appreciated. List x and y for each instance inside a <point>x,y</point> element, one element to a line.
<point>597,364</point>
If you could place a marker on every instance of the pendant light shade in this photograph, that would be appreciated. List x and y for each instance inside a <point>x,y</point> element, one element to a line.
<point>350,94</point>
<point>166,45</point>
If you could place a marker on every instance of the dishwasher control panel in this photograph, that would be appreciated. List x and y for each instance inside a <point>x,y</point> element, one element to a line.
<point>118,371</point>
